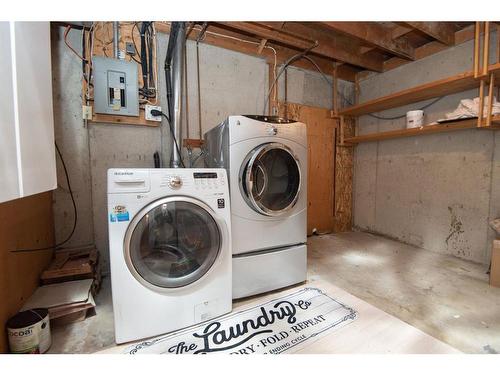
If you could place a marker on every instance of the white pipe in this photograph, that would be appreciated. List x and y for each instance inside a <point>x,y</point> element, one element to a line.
<point>116,38</point>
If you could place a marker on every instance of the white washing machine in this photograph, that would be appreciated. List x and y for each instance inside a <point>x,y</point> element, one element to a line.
<point>266,160</point>
<point>170,249</point>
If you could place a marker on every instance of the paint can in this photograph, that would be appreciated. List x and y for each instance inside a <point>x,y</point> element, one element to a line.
<point>29,332</point>
<point>414,119</point>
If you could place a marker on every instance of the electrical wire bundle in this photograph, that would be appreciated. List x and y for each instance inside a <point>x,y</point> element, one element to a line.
<point>147,60</point>
<point>75,214</point>
<point>303,55</point>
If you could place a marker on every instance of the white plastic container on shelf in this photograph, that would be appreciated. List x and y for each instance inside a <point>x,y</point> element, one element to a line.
<point>414,119</point>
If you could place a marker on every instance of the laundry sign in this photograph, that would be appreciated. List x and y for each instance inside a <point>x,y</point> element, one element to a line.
<point>281,325</point>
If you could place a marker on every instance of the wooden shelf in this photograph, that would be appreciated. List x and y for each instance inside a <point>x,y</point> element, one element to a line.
<point>124,120</point>
<point>427,129</point>
<point>446,86</point>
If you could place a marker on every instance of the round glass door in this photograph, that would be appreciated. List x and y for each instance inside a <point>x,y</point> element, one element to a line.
<point>172,242</point>
<point>270,179</point>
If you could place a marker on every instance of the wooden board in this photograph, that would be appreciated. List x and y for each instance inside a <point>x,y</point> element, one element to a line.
<point>495,264</point>
<point>344,154</point>
<point>26,223</point>
<point>375,35</point>
<point>426,129</point>
<point>457,83</point>
<point>71,265</point>
<point>320,164</point>
<point>103,46</point>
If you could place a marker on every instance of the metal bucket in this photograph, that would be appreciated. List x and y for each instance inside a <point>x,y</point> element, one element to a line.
<point>29,332</point>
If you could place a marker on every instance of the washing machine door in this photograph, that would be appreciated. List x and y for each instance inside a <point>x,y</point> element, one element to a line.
<point>270,179</point>
<point>173,242</point>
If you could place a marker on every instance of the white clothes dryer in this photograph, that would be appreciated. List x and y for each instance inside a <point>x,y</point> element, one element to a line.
<point>266,161</point>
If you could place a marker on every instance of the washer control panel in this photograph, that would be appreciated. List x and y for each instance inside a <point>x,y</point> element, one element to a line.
<point>208,180</point>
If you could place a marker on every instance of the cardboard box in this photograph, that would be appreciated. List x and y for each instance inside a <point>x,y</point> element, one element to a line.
<point>495,264</point>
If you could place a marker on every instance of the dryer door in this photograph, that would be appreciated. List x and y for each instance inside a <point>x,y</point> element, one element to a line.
<point>270,179</point>
<point>173,242</point>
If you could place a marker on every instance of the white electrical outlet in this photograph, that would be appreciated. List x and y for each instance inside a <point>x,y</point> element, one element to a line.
<point>87,112</point>
<point>149,116</point>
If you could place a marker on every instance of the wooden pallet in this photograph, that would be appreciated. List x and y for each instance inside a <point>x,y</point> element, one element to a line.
<point>74,264</point>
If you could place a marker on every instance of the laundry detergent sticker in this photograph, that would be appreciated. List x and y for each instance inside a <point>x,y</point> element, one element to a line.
<point>119,213</point>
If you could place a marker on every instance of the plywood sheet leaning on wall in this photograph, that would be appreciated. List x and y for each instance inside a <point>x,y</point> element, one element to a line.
<point>25,223</point>
<point>321,148</point>
<point>343,176</point>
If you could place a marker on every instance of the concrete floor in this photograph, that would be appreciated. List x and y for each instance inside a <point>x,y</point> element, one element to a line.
<point>91,335</point>
<point>446,297</point>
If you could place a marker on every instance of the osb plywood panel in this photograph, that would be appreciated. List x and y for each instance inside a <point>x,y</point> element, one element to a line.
<point>25,223</point>
<point>343,178</point>
<point>320,151</point>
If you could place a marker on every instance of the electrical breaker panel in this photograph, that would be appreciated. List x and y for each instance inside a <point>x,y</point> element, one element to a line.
<point>115,86</point>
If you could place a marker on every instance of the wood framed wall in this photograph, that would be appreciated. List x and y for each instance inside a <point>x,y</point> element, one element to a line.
<point>344,171</point>
<point>330,168</point>
<point>25,223</point>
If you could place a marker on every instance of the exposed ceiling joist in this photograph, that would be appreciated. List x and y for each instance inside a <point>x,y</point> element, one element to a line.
<point>443,32</point>
<point>352,46</point>
<point>270,33</point>
<point>428,49</point>
<point>399,31</point>
<point>230,40</point>
<point>376,35</point>
<point>328,46</point>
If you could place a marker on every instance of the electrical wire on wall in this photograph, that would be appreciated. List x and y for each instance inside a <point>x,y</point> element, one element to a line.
<point>282,69</point>
<point>148,90</point>
<point>202,31</point>
<point>75,213</point>
<point>303,55</point>
<point>147,50</point>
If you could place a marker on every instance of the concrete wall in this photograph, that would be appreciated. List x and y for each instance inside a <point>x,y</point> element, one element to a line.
<point>435,191</point>
<point>231,83</point>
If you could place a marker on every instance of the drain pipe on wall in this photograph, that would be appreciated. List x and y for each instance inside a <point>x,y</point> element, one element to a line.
<point>174,70</point>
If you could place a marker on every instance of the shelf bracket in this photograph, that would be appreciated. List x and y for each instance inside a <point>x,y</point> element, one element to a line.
<point>481,70</point>
<point>490,99</point>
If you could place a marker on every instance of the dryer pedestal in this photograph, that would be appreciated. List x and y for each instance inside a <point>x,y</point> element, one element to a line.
<point>263,271</point>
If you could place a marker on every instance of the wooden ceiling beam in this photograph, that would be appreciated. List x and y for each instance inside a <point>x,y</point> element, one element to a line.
<point>300,36</point>
<point>229,40</point>
<point>270,33</point>
<point>399,31</point>
<point>376,35</point>
<point>443,32</point>
<point>461,36</point>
